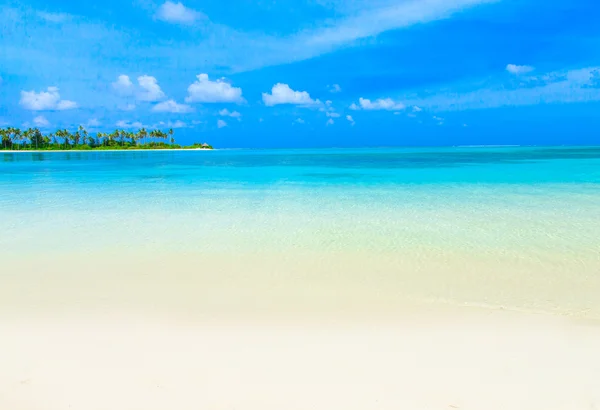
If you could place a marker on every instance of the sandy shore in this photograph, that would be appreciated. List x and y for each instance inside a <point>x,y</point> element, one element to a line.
<point>258,333</point>
<point>471,360</point>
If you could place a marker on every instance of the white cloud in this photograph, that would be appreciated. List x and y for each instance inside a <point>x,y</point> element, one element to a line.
<point>416,108</point>
<point>299,121</point>
<point>177,13</point>
<point>519,69</point>
<point>221,123</point>
<point>330,122</point>
<point>45,100</point>
<point>283,94</point>
<point>123,85</point>
<point>226,113</point>
<point>207,91</point>
<point>128,124</point>
<point>335,88</point>
<point>41,121</point>
<point>379,104</point>
<point>350,119</point>
<point>332,114</point>
<point>173,107</point>
<point>149,89</point>
<point>93,122</point>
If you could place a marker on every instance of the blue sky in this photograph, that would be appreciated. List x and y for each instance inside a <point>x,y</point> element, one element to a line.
<point>267,73</point>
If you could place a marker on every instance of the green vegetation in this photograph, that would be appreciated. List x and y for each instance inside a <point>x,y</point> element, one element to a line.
<point>32,139</point>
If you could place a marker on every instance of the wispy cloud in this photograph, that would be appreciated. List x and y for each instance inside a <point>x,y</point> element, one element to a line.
<point>127,107</point>
<point>569,86</point>
<point>393,15</point>
<point>170,124</point>
<point>70,48</point>
<point>244,51</point>
<point>519,69</point>
<point>335,88</point>
<point>54,17</point>
<point>226,113</point>
<point>173,107</point>
<point>129,124</point>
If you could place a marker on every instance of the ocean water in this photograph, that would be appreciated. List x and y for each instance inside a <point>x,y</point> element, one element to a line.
<point>345,229</point>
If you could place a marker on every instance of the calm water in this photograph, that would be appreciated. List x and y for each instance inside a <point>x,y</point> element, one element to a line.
<point>516,224</point>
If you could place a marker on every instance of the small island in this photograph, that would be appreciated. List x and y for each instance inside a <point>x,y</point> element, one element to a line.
<point>32,139</point>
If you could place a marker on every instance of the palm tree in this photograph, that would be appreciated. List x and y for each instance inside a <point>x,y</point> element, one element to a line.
<point>17,136</point>
<point>111,137</point>
<point>64,134</point>
<point>171,138</point>
<point>100,137</point>
<point>155,134</point>
<point>142,134</point>
<point>85,134</point>
<point>5,136</point>
<point>28,136</point>
<point>36,135</point>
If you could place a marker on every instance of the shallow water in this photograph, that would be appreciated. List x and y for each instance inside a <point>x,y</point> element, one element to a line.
<point>511,227</point>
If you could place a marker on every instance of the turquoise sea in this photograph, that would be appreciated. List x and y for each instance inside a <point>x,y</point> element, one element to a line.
<point>511,227</point>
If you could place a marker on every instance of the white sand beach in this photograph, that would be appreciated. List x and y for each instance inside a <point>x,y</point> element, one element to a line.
<point>89,335</point>
<point>470,360</point>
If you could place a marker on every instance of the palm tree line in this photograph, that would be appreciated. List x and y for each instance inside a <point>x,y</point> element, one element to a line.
<point>33,139</point>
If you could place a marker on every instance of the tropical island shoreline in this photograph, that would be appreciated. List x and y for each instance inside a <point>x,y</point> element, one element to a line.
<point>38,151</point>
<point>33,140</point>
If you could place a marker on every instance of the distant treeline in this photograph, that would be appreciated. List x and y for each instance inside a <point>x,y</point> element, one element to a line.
<point>34,139</point>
